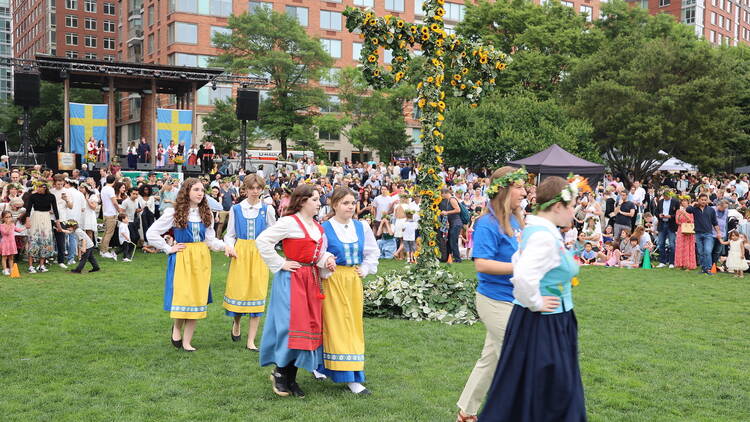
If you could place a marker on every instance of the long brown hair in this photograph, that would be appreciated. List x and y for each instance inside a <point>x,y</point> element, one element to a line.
<point>182,206</point>
<point>501,202</point>
<point>301,194</point>
<point>336,197</point>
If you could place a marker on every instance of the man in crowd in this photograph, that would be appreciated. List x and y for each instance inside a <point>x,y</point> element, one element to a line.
<point>110,210</point>
<point>706,231</point>
<point>667,210</point>
<point>623,214</point>
<point>144,151</point>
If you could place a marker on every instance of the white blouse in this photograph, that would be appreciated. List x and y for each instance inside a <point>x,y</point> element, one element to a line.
<point>249,212</point>
<point>347,233</point>
<point>540,254</point>
<point>287,227</point>
<point>166,222</point>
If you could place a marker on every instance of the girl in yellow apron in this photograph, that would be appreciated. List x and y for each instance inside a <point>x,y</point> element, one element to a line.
<point>356,251</point>
<point>187,290</point>
<point>247,280</point>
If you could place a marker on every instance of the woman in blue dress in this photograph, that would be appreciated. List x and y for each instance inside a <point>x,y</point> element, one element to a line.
<point>538,377</point>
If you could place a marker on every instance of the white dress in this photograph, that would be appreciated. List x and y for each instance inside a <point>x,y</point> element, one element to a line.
<point>89,215</point>
<point>736,257</point>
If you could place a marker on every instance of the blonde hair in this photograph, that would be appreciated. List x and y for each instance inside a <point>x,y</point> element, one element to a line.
<point>500,203</point>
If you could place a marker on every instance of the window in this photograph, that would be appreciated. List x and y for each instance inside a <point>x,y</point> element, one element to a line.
<point>415,136</point>
<point>395,5</point>
<point>193,60</point>
<point>332,78</point>
<point>90,56</point>
<point>71,39</point>
<point>387,56</point>
<point>109,9</point>
<point>89,41</point>
<point>567,3</point>
<point>688,3</point>
<point>712,36</point>
<point>89,6</point>
<point>589,11</point>
<point>71,54</point>
<point>71,5</point>
<point>664,3</point>
<point>688,15</point>
<point>332,107</point>
<point>365,3</point>
<point>150,44</point>
<point>71,21</point>
<point>330,20</point>
<point>255,5</point>
<point>332,47</point>
<point>729,24</point>
<point>713,18</point>
<point>729,7</point>
<point>356,50</point>
<point>219,30</point>
<point>300,13</point>
<point>220,7</point>
<point>150,15</point>
<point>181,32</point>
<point>109,58</point>
<point>454,12</point>
<point>721,21</point>
<point>90,24</point>
<point>109,26</point>
<point>328,136</point>
<point>208,96</point>
<point>418,8</point>
<point>109,43</point>
<point>416,112</point>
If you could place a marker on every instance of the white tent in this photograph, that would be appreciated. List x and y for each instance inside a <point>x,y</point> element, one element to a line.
<point>675,164</point>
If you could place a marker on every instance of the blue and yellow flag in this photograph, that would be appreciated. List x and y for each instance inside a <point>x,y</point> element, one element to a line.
<point>174,125</point>
<point>86,121</point>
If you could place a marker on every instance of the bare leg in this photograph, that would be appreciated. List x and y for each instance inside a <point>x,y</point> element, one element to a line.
<point>252,331</point>
<point>176,328</point>
<point>236,326</point>
<point>42,261</point>
<point>187,336</point>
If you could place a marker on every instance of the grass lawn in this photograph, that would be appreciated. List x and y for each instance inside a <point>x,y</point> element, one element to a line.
<point>656,345</point>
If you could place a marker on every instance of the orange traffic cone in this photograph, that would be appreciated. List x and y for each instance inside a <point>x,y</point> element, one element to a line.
<point>713,269</point>
<point>14,273</point>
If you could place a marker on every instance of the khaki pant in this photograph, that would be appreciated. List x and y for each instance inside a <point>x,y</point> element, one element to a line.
<point>494,314</point>
<point>110,224</point>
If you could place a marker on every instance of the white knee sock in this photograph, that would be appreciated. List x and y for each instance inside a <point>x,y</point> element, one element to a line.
<point>355,387</point>
<point>318,375</point>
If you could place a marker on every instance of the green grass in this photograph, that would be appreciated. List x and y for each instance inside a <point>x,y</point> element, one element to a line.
<point>656,345</point>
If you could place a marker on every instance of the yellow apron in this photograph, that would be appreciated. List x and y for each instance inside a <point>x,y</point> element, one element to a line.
<point>192,279</point>
<point>247,280</point>
<point>343,328</point>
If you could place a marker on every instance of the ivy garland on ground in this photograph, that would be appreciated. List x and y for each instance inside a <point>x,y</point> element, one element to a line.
<point>470,67</point>
<point>455,66</point>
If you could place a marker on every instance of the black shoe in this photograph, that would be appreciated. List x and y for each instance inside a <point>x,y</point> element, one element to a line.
<point>175,343</point>
<point>234,337</point>
<point>364,392</point>
<point>256,350</point>
<point>186,350</point>
<point>93,270</point>
<point>296,391</point>
<point>278,383</point>
<point>75,271</point>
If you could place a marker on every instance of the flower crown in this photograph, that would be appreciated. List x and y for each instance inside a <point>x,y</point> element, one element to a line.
<point>507,180</point>
<point>569,192</point>
<point>686,197</point>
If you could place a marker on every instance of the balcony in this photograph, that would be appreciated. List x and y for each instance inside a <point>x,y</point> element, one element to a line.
<point>135,35</point>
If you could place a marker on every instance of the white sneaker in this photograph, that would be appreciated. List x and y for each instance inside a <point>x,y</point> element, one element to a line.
<point>126,260</point>
<point>71,262</point>
<point>114,257</point>
<point>32,270</point>
<point>105,254</point>
<point>661,265</point>
<point>63,266</point>
<point>6,271</point>
<point>671,266</point>
<point>42,269</point>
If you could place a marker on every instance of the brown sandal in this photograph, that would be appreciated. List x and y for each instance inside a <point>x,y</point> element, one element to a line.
<point>462,417</point>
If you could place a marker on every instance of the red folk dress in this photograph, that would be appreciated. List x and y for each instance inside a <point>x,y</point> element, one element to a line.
<point>685,243</point>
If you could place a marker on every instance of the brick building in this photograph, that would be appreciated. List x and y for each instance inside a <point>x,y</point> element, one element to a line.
<point>6,50</point>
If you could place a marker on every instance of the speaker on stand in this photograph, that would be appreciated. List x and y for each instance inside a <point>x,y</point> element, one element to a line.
<point>26,95</point>
<point>248,102</point>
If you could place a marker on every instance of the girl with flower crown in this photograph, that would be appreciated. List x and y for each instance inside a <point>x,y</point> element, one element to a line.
<point>495,241</point>
<point>538,377</point>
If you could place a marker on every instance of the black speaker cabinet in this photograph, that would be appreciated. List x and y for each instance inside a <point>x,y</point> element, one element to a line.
<point>26,89</point>
<point>247,104</point>
<point>192,169</point>
<point>145,166</point>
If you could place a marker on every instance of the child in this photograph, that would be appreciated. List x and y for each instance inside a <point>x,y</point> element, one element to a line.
<point>123,228</point>
<point>86,249</point>
<point>610,257</point>
<point>386,243</point>
<point>736,258</point>
<point>470,235</point>
<point>608,235</point>
<point>578,246</point>
<point>631,254</point>
<point>588,256</point>
<point>21,234</point>
<point>570,234</point>
<point>8,242</point>
<point>410,237</point>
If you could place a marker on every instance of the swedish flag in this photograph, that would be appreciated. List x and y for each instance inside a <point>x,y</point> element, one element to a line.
<point>86,121</point>
<point>174,125</point>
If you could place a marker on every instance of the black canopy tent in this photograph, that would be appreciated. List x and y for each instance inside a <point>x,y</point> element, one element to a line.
<point>555,161</point>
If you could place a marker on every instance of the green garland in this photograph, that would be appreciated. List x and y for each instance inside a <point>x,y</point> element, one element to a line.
<point>507,180</point>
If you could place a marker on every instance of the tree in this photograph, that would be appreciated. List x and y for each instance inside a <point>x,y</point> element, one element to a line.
<point>224,127</point>
<point>655,88</point>
<point>545,40</point>
<point>48,119</point>
<point>276,45</point>
<point>508,127</point>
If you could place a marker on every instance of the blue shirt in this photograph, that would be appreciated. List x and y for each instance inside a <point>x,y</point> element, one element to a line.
<point>705,219</point>
<point>491,243</point>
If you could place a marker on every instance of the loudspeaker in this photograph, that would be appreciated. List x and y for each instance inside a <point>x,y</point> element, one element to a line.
<point>192,169</point>
<point>26,89</point>
<point>99,165</point>
<point>145,166</point>
<point>247,104</point>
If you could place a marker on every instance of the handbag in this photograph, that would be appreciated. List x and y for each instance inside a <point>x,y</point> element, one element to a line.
<point>687,228</point>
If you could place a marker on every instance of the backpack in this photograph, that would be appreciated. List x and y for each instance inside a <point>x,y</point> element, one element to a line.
<point>465,216</point>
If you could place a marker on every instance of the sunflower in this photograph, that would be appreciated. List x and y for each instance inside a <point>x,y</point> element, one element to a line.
<point>464,71</point>
<point>479,82</point>
<point>438,124</point>
<point>499,65</point>
<point>492,81</point>
<point>437,251</point>
<point>441,2</point>
<point>439,52</point>
<point>430,79</point>
<point>421,102</point>
<point>413,29</point>
<point>431,171</point>
<point>463,54</point>
<point>402,44</point>
<point>436,62</point>
<point>435,27</point>
<point>454,83</point>
<point>440,11</point>
<point>373,22</point>
<point>425,30</point>
<point>441,105</point>
<point>432,243</point>
<point>436,132</point>
<point>439,42</point>
<point>483,60</point>
<point>433,104</point>
<point>463,86</point>
<point>372,58</point>
<point>442,95</point>
<point>419,85</point>
<point>457,77</point>
<point>412,40</point>
<point>439,159</point>
<point>400,24</point>
<point>425,37</point>
<point>374,41</point>
<point>375,72</point>
<point>399,76</point>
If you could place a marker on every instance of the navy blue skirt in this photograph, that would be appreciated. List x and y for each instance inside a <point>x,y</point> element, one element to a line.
<point>537,377</point>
